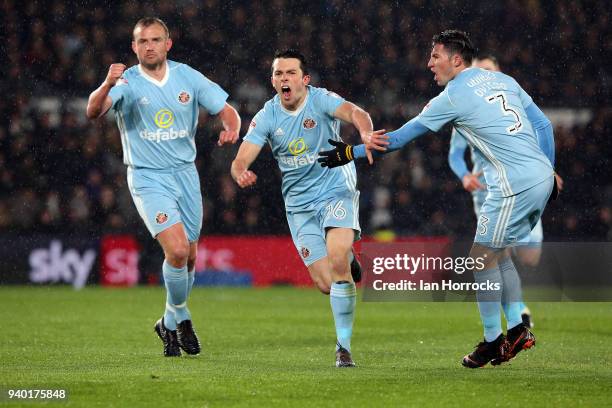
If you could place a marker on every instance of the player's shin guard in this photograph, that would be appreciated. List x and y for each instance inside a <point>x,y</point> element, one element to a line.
<point>169,319</point>
<point>489,302</point>
<point>342,298</point>
<point>511,297</point>
<point>176,282</point>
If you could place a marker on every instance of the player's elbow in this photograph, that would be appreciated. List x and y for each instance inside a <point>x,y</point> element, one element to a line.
<point>358,112</point>
<point>94,112</point>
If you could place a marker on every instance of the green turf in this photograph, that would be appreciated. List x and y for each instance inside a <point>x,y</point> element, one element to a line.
<point>275,347</point>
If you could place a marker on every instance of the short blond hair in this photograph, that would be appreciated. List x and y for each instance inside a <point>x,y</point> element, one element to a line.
<point>149,21</point>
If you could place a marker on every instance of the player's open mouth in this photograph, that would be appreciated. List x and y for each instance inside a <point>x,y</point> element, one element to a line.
<point>286,91</point>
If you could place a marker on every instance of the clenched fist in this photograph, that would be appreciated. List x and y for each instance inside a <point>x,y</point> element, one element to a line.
<point>246,178</point>
<point>227,136</point>
<point>114,73</point>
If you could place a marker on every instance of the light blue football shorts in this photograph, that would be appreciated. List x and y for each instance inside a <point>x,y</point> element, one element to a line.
<point>537,233</point>
<point>308,227</point>
<point>508,221</point>
<point>166,197</point>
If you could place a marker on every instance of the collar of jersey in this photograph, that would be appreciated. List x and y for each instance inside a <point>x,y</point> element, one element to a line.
<point>298,110</point>
<point>153,80</point>
<point>468,69</point>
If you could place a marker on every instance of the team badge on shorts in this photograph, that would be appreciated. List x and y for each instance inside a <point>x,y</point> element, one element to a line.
<point>309,123</point>
<point>305,252</point>
<point>161,217</point>
<point>184,97</point>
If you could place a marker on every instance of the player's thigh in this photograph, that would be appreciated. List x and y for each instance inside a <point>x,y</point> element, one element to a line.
<point>339,241</point>
<point>190,202</point>
<point>155,200</point>
<point>307,236</point>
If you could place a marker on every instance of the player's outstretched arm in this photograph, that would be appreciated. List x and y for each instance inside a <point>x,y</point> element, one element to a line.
<point>231,125</point>
<point>99,102</point>
<point>372,140</point>
<point>344,153</point>
<point>247,153</point>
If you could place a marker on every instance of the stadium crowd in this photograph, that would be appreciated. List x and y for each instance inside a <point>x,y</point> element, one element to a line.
<point>60,173</point>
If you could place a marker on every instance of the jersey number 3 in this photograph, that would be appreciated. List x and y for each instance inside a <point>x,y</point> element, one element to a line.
<point>506,110</point>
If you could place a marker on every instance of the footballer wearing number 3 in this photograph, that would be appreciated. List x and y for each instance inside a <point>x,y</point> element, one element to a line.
<point>507,129</point>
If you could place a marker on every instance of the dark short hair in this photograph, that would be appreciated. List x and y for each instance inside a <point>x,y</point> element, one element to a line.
<point>487,55</point>
<point>456,42</point>
<point>291,53</point>
<point>149,21</point>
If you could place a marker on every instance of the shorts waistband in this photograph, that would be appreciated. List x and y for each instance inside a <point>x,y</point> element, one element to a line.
<point>170,170</point>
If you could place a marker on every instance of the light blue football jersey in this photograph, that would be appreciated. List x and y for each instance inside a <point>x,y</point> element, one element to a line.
<point>158,119</point>
<point>488,108</point>
<point>296,138</point>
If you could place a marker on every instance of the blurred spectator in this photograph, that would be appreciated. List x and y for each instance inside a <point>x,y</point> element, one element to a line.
<point>58,172</point>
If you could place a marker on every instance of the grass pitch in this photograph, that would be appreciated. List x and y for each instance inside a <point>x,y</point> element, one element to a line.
<point>275,347</point>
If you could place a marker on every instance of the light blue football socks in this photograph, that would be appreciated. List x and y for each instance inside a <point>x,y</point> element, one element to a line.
<point>190,279</point>
<point>343,297</point>
<point>489,302</point>
<point>177,287</point>
<point>512,296</point>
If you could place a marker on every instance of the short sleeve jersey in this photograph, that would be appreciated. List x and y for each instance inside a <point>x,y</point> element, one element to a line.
<point>296,138</point>
<point>488,109</point>
<point>157,120</point>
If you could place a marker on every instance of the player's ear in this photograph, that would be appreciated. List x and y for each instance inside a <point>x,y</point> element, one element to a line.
<point>306,79</point>
<point>457,60</point>
<point>134,47</point>
<point>168,44</point>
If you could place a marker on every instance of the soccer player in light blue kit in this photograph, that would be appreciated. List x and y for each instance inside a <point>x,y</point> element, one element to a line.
<point>322,205</point>
<point>156,105</point>
<point>474,182</point>
<point>500,121</point>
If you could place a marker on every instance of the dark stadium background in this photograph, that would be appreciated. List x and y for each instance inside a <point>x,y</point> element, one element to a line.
<point>61,176</point>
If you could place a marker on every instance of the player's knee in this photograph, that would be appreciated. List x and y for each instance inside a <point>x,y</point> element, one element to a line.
<point>178,254</point>
<point>338,262</point>
<point>530,260</point>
